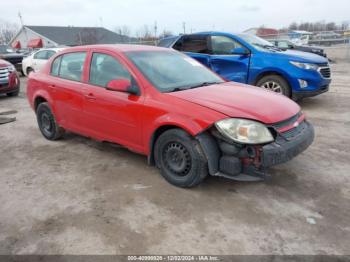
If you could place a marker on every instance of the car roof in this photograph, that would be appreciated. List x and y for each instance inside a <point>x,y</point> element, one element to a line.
<point>118,47</point>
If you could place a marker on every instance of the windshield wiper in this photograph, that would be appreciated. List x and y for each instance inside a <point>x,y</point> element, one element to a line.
<point>204,84</point>
<point>176,89</point>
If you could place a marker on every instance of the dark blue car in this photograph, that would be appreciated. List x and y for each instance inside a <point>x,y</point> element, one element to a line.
<point>252,60</point>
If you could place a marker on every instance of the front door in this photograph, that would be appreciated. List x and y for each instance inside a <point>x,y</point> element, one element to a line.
<point>223,61</point>
<point>111,115</point>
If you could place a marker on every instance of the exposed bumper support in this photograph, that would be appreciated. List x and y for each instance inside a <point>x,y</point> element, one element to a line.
<point>246,165</point>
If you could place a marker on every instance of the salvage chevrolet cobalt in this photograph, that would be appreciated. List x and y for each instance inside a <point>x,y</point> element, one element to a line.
<point>163,104</point>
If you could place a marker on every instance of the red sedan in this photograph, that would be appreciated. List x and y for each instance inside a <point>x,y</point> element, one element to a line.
<point>163,104</point>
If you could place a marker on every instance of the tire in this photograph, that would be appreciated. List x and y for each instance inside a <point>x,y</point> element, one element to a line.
<point>16,93</point>
<point>29,69</point>
<point>276,84</point>
<point>180,158</point>
<point>47,123</point>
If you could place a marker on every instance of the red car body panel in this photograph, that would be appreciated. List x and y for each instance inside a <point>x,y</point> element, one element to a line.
<point>13,80</point>
<point>242,101</point>
<point>131,120</point>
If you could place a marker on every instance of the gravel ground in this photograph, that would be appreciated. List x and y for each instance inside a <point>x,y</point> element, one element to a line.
<point>79,196</point>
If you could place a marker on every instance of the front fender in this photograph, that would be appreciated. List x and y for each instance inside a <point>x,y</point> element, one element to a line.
<point>172,120</point>
<point>256,74</point>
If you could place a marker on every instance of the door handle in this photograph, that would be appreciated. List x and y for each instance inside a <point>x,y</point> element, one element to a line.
<point>90,96</point>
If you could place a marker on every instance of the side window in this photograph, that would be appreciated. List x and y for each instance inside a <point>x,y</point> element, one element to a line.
<point>40,55</point>
<point>178,45</point>
<point>55,66</point>
<point>105,68</point>
<point>71,66</point>
<point>49,54</point>
<point>222,45</point>
<point>195,44</point>
<point>282,44</point>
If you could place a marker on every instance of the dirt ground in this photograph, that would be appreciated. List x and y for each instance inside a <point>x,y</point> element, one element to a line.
<point>78,196</point>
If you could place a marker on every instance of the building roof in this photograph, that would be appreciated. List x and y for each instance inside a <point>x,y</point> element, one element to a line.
<point>71,35</point>
<point>120,48</point>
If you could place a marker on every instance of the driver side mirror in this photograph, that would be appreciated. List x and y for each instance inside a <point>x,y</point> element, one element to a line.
<point>240,51</point>
<point>120,85</point>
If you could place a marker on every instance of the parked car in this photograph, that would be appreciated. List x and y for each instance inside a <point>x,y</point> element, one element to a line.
<point>326,35</point>
<point>10,55</point>
<point>286,44</point>
<point>166,105</point>
<point>9,80</point>
<point>252,60</point>
<point>36,60</point>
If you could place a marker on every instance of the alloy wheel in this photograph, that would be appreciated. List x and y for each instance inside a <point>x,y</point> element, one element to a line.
<point>273,86</point>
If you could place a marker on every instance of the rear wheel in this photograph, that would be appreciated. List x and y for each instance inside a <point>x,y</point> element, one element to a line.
<point>180,158</point>
<point>276,84</point>
<point>29,70</point>
<point>47,123</point>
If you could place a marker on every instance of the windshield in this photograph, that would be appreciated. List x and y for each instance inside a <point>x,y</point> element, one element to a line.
<point>171,71</point>
<point>256,41</point>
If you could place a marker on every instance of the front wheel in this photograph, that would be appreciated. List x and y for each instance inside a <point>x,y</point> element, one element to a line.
<point>47,123</point>
<point>180,158</point>
<point>276,84</point>
<point>16,93</point>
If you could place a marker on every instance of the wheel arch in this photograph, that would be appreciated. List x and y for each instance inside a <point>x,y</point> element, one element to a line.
<point>283,75</point>
<point>271,72</point>
<point>38,100</point>
<point>156,133</point>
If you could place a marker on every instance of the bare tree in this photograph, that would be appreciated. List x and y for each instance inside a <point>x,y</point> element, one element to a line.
<point>7,31</point>
<point>319,26</point>
<point>345,25</point>
<point>124,32</point>
<point>144,32</point>
<point>165,33</point>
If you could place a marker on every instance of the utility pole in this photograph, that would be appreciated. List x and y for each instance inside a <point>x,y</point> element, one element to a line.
<point>184,27</point>
<point>155,32</point>
<point>24,30</point>
<point>155,29</point>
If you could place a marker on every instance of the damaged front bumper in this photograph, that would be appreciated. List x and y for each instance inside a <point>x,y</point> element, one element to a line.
<point>250,163</point>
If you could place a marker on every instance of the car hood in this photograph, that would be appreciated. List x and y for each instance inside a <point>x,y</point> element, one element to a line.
<point>10,55</point>
<point>301,56</point>
<point>242,101</point>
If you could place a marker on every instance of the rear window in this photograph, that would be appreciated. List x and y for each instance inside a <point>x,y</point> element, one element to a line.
<point>55,67</point>
<point>69,66</point>
<point>41,55</point>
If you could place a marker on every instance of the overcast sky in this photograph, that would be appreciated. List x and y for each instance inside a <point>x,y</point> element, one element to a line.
<point>225,15</point>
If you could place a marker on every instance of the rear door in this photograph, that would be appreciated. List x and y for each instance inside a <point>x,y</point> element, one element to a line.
<point>65,87</point>
<point>195,46</point>
<point>232,67</point>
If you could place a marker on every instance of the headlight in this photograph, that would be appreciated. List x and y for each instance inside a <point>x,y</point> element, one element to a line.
<point>11,68</point>
<point>244,131</point>
<point>305,65</point>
